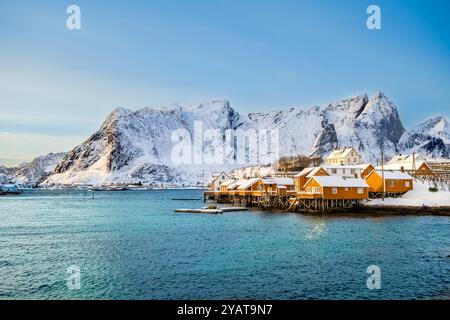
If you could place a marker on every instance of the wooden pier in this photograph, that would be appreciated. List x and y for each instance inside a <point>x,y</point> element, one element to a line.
<point>291,202</point>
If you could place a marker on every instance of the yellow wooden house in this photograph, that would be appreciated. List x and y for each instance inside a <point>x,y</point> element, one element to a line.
<point>303,176</point>
<point>394,182</point>
<point>335,188</point>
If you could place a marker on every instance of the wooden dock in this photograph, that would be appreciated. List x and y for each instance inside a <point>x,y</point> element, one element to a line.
<point>291,202</point>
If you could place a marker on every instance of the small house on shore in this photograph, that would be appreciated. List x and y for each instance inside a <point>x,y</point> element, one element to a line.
<point>303,176</point>
<point>249,186</point>
<point>335,188</point>
<point>395,182</point>
<point>276,186</point>
<point>217,179</point>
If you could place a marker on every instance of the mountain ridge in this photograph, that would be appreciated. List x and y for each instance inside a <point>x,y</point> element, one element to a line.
<point>135,146</point>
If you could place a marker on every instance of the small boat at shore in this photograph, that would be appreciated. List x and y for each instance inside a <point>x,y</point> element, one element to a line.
<point>110,188</point>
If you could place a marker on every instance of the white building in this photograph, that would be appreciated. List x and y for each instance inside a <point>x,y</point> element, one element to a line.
<point>354,171</point>
<point>347,156</point>
<point>217,180</point>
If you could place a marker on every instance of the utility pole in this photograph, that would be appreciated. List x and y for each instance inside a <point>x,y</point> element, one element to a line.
<point>382,173</point>
<point>382,159</point>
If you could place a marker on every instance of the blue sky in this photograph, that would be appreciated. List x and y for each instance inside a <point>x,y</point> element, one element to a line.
<point>57,86</point>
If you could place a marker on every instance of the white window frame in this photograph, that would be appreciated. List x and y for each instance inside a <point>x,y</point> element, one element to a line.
<point>334,190</point>
<point>391,183</point>
<point>407,184</point>
<point>360,190</point>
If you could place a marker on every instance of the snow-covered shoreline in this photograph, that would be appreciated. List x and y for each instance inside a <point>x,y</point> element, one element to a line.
<point>419,197</point>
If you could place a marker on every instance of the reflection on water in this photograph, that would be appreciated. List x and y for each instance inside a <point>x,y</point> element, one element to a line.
<point>316,232</point>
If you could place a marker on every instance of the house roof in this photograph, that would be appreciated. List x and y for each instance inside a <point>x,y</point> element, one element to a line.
<point>236,184</point>
<point>248,183</point>
<point>340,153</point>
<point>338,181</point>
<point>304,172</point>
<point>406,165</point>
<point>364,166</point>
<point>346,166</point>
<point>227,183</point>
<point>216,175</point>
<point>279,181</point>
<point>406,157</point>
<point>309,172</point>
<point>393,175</point>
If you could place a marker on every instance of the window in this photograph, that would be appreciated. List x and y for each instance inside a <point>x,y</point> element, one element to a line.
<point>313,190</point>
<point>346,189</point>
<point>333,171</point>
<point>352,171</point>
<point>360,190</point>
<point>407,184</point>
<point>223,177</point>
<point>334,190</point>
<point>318,189</point>
<point>309,189</point>
<point>343,171</point>
<point>391,183</point>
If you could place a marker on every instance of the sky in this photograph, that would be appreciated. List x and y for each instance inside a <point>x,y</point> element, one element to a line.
<point>58,85</point>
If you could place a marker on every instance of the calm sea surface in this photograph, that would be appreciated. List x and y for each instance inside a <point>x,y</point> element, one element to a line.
<point>131,245</point>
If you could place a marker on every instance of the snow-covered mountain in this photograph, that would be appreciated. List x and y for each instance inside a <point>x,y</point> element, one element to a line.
<point>32,173</point>
<point>431,138</point>
<point>137,146</point>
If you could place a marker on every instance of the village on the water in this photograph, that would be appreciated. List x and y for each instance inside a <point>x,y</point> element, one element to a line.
<point>343,182</point>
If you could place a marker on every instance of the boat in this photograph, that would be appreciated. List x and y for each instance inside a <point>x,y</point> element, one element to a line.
<point>212,210</point>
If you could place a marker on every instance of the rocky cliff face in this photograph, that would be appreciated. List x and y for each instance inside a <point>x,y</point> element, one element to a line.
<point>136,146</point>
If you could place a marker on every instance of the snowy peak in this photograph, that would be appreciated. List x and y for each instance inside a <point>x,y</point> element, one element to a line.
<point>437,127</point>
<point>431,138</point>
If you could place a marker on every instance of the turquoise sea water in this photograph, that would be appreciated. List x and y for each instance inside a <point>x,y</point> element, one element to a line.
<point>131,245</point>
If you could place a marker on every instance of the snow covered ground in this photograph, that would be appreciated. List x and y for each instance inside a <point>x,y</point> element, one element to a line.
<point>418,197</point>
